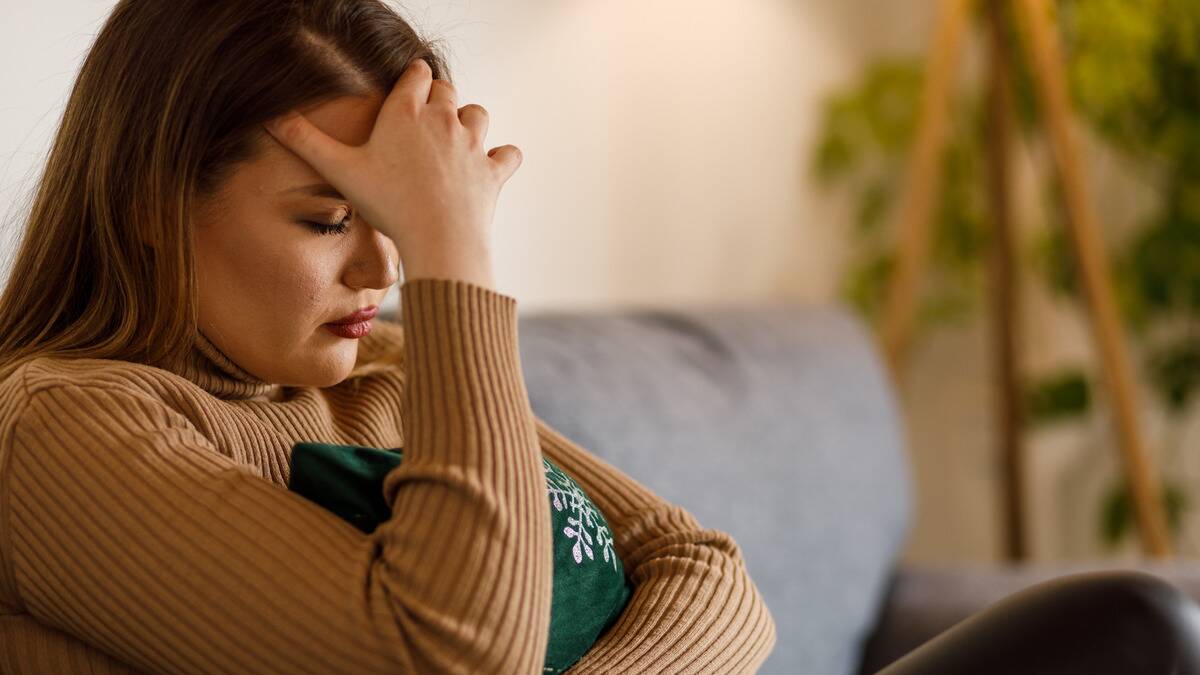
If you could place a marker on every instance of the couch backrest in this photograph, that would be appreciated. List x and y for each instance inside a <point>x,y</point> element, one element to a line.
<point>773,423</point>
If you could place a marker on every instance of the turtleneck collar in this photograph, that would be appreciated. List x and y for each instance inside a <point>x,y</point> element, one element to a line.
<point>210,369</point>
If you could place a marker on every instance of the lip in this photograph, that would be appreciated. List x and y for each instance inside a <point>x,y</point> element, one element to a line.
<point>364,314</point>
<point>349,330</point>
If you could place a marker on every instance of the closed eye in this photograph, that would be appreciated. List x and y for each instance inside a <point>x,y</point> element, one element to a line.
<point>336,228</point>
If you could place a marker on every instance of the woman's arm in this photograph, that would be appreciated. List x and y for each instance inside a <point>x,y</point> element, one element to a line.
<point>694,608</point>
<point>127,529</point>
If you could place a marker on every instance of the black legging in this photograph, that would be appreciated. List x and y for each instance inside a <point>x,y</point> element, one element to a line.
<point>1111,622</point>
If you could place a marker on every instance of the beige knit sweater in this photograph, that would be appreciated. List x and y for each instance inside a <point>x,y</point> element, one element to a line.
<point>146,526</point>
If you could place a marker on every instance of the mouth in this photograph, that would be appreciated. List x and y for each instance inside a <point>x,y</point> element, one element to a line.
<point>359,316</point>
<point>354,325</point>
<point>352,331</point>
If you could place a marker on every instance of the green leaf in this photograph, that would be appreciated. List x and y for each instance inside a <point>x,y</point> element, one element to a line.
<point>890,99</point>
<point>1117,516</point>
<point>875,118</point>
<point>835,157</point>
<point>1175,373</point>
<point>1059,396</point>
<point>1164,265</point>
<point>865,285</point>
<point>873,206</point>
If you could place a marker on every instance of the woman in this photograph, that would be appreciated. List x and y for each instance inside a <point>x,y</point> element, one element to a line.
<point>168,336</point>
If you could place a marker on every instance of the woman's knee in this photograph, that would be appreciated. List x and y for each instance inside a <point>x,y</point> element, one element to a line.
<point>1150,618</point>
<point>1177,612</point>
<point>1112,622</point>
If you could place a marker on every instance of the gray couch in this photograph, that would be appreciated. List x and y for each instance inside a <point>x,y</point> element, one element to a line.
<point>774,423</point>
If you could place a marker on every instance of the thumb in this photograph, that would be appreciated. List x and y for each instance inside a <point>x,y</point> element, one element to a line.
<point>296,133</point>
<point>508,158</point>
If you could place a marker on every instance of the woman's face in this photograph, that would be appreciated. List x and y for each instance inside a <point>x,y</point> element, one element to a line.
<point>268,279</point>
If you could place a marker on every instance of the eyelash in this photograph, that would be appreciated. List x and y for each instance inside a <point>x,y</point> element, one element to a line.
<point>326,228</point>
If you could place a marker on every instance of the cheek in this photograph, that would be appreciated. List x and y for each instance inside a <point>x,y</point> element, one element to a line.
<point>273,284</point>
<point>296,283</point>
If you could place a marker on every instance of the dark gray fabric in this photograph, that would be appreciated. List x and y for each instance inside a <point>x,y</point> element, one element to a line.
<point>773,423</point>
<point>924,600</point>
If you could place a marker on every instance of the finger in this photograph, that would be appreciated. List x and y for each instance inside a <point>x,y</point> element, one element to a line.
<point>508,159</point>
<point>296,133</point>
<point>411,90</point>
<point>443,91</point>
<point>474,117</point>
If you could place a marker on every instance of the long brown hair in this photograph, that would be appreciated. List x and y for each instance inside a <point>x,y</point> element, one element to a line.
<point>168,99</point>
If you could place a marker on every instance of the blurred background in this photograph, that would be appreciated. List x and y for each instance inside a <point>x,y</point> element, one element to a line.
<point>717,153</point>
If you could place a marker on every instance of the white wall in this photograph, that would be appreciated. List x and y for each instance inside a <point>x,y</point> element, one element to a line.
<point>665,143</point>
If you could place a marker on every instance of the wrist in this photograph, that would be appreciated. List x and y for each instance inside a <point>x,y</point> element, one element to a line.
<point>469,271</point>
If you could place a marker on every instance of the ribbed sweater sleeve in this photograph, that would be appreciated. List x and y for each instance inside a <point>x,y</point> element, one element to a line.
<point>694,608</point>
<point>130,531</point>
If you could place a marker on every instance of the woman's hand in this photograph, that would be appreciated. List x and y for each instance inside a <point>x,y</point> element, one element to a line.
<point>421,178</point>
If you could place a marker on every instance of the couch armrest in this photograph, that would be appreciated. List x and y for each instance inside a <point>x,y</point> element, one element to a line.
<point>924,600</point>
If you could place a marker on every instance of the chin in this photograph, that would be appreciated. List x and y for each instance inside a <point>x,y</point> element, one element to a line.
<point>324,371</point>
<point>328,378</point>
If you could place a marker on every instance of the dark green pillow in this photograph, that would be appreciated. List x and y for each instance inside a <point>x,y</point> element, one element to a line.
<point>590,588</point>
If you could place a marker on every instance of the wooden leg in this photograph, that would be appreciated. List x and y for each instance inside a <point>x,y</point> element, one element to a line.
<point>1139,470</point>
<point>1005,316</point>
<point>921,183</point>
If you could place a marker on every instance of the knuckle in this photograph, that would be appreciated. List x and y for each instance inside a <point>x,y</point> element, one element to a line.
<point>445,109</point>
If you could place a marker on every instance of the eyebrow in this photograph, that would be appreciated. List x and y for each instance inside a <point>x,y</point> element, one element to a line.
<point>316,190</point>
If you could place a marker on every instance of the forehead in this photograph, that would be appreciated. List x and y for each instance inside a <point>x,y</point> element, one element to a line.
<point>347,119</point>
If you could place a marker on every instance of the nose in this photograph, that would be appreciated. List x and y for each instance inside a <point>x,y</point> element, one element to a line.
<point>375,263</point>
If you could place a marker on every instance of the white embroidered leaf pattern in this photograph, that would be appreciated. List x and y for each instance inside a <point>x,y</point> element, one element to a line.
<point>584,518</point>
